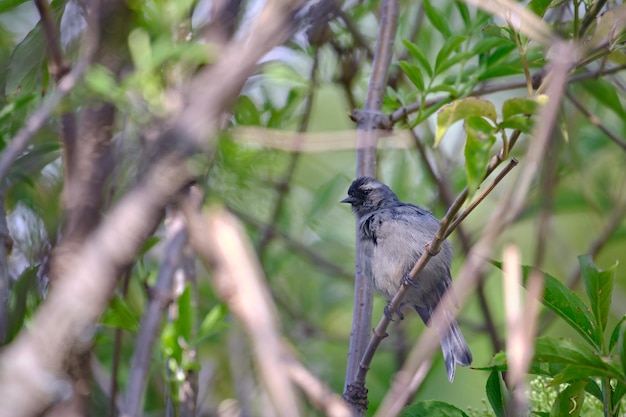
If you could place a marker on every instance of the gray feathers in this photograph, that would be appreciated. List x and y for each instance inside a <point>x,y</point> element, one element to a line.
<point>393,235</point>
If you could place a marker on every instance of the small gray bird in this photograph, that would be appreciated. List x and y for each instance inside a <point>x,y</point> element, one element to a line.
<point>393,236</point>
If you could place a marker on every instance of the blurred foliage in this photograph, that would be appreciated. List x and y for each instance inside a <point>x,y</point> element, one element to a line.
<point>447,51</point>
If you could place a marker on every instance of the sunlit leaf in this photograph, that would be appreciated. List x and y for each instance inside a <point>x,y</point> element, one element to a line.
<point>522,105</point>
<point>460,110</point>
<point>480,140</point>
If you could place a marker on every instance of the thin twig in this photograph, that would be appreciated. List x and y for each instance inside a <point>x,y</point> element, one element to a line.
<point>59,68</point>
<point>512,164</point>
<point>160,298</point>
<point>284,183</point>
<point>117,354</point>
<point>595,121</point>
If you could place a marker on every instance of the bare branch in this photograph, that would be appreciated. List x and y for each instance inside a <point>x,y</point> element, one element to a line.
<point>368,125</point>
<point>160,298</point>
<point>595,121</point>
<point>220,240</point>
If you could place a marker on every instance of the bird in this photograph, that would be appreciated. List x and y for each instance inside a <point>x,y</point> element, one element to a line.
<point>393,236</point>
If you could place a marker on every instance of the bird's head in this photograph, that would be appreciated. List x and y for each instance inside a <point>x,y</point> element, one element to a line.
<point>366,195</point>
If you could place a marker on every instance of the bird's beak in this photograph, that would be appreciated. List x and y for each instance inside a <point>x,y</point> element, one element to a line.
<point>349,200</point>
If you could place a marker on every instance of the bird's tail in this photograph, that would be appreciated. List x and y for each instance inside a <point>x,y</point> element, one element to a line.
<point>454,348</point>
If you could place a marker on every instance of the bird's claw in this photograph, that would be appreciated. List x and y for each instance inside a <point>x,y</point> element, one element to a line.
<point>407,281</point>
<point>389,314</point>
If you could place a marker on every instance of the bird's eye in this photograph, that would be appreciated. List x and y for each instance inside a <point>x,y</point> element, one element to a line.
<point>366,191</point>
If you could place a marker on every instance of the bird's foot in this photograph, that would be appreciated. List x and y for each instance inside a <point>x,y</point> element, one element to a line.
<point>389,314</point>
<point>407,281</point>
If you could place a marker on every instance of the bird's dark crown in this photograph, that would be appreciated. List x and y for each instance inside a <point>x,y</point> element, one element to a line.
<point>367,194</point>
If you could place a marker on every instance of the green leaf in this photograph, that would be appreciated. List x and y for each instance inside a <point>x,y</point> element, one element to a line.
<point>487,44</point>
<point>621,347</point>
<point>19,307</point>
<point>570,400</point>
<point>499,31</point>
<point>480,140</point>
<point>464,12</point>
<point>102,82</point>
<point>6,5</point>
<point>432,408</point>
<point>569,352</point>
<point>140,49</point>
<point>461,110</point>
<point>414,74</point>
<point>618,394</point>
<point>246,112</point>
<point>419,56</point>
<point>519,122</point>
<point>450,45</point>
<point>496,394</point>
<point>519,105</point>
<point>502,70</point>
<point>615,334</point>
<point>594,389</point>
<point>120,315</point>
<point>184,321</point>
<point>539,7</point>
<point>605,93</point>
<point>423,115</point>
<point>213,322</point>
<point>566,304</point>
<point>599,287</point>
<point>27,60</point>
<point>439,21</point>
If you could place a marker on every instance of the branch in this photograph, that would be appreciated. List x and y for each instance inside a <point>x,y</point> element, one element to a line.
<point>595,121</point>
<point>368,125</point>
<point>160,298</point>
<point>238,279</point>
<point>6,243</point>
<point>284,182</point>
